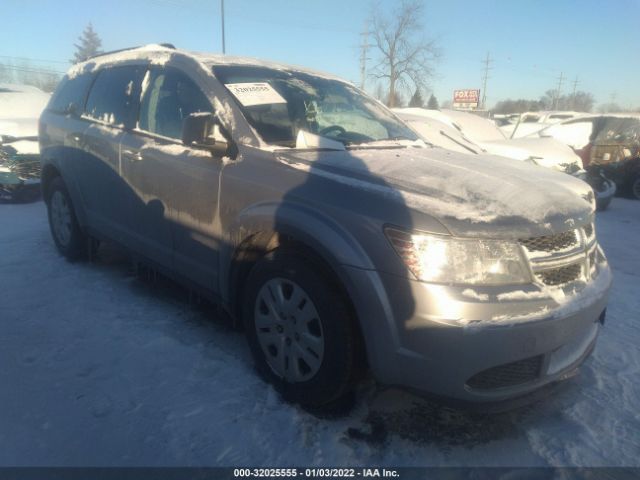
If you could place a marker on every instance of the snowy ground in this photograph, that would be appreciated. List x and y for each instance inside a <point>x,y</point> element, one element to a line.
<point>98,367</point>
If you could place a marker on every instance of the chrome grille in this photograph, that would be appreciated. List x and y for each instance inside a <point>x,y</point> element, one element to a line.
<point>507,375</point>
<point>593,258</point>
<point>551,243</point>
<point>560,275</point>
<point>562,258</point>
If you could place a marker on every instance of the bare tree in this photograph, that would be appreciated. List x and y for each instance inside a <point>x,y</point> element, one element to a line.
<point>579,101</point>
<point>406,58</point>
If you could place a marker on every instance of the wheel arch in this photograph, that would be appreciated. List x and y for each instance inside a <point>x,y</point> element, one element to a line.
<point>317,237</point>
<point>49,172</point>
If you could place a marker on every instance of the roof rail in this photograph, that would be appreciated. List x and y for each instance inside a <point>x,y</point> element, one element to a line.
<point>165,45</point>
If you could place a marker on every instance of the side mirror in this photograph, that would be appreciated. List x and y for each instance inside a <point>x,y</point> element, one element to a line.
<point>203,130</point>
<point>71,109</point>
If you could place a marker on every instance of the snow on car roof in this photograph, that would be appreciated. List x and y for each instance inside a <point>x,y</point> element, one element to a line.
<point>160,55</point>
<point>613,114</point>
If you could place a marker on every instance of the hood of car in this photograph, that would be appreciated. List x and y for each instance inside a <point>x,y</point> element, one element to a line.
<point>547,152</point>
<point>472,195</point>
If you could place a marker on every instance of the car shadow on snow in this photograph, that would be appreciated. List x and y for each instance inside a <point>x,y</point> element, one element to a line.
<point>198,320</point>
<point>446,424</point>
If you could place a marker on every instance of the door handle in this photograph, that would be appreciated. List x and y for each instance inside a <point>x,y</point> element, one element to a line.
<point>133,155</point>
<point>74,139</point>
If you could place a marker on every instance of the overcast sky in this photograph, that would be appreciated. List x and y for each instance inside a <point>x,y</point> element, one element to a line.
<point>531,42</point>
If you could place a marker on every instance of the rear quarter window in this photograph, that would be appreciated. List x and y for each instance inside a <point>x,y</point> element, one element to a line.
<point>115,96</point>
<point>69,97</point>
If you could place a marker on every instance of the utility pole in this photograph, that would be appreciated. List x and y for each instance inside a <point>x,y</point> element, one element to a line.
<point>487,66</point>
<point>557,95</point>
<point>573,95</point>
<point>224,50</point>
<point>364,46</point>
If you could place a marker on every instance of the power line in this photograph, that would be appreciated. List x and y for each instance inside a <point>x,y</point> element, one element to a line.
<point>32,70</point>
<point>29,59</point>
<point>557,95</point>
<point>364,46</point>
<point>487,66</point>
<point>573,96</point>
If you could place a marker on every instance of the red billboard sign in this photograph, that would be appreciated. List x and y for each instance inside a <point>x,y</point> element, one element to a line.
<point>469,98</point>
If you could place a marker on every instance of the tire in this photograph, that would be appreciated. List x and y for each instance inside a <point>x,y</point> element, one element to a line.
<point>308,352</point>
<point>69,238</point>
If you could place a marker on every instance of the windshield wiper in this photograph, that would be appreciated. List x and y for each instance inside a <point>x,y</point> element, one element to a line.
<point>387,143</point>
<point>455,140</point>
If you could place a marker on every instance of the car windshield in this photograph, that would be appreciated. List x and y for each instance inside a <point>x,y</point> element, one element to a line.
<point>279,104</point>
<point>619,131</point>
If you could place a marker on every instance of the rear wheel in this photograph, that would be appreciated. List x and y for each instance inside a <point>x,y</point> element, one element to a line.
<point>67,234</point>
<point>300,330</point>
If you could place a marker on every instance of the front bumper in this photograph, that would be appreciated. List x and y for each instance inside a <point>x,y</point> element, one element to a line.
<point>479,345</point>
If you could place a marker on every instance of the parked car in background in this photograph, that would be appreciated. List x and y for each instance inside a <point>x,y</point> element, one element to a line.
<point>20,108</point>
<point>466,132</point>
<point>608,143</point>
<point>325,226</point>
<point>530,122</point>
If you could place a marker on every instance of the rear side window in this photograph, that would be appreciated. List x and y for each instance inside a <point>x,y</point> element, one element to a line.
<point>170,97</point>
<point>70,95</point>
<point>114,96</point>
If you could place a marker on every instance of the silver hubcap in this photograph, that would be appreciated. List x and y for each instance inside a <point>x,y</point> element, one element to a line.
<point>289,330</point>
<point>61,218</point>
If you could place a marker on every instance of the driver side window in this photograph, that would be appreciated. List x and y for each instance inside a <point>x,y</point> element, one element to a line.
<point>169,96</point>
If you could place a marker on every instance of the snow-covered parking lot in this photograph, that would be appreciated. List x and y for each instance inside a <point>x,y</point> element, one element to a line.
<point>100,367</point>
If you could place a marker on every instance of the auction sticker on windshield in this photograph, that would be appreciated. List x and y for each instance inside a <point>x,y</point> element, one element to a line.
<point>255,93</point>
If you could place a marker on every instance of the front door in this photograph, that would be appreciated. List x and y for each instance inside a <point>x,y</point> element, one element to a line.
<point>176,220</point>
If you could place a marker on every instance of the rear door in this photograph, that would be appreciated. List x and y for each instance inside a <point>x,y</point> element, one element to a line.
<point>62,130</point>
<point>111,109</point>
<point>175,222</point>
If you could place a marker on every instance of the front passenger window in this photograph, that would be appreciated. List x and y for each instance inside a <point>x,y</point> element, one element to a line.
<point>169,98</point>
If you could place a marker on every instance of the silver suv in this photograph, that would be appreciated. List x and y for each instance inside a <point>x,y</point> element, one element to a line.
<point>337,239</point>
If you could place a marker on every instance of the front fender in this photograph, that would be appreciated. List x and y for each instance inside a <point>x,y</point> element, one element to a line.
<point>317,231</point>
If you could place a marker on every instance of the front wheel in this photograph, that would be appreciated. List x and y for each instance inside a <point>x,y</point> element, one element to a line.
<point>300,330</point>
<point>67,234</point>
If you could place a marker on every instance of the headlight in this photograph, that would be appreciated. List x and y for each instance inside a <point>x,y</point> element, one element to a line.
<point>442,259</point>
